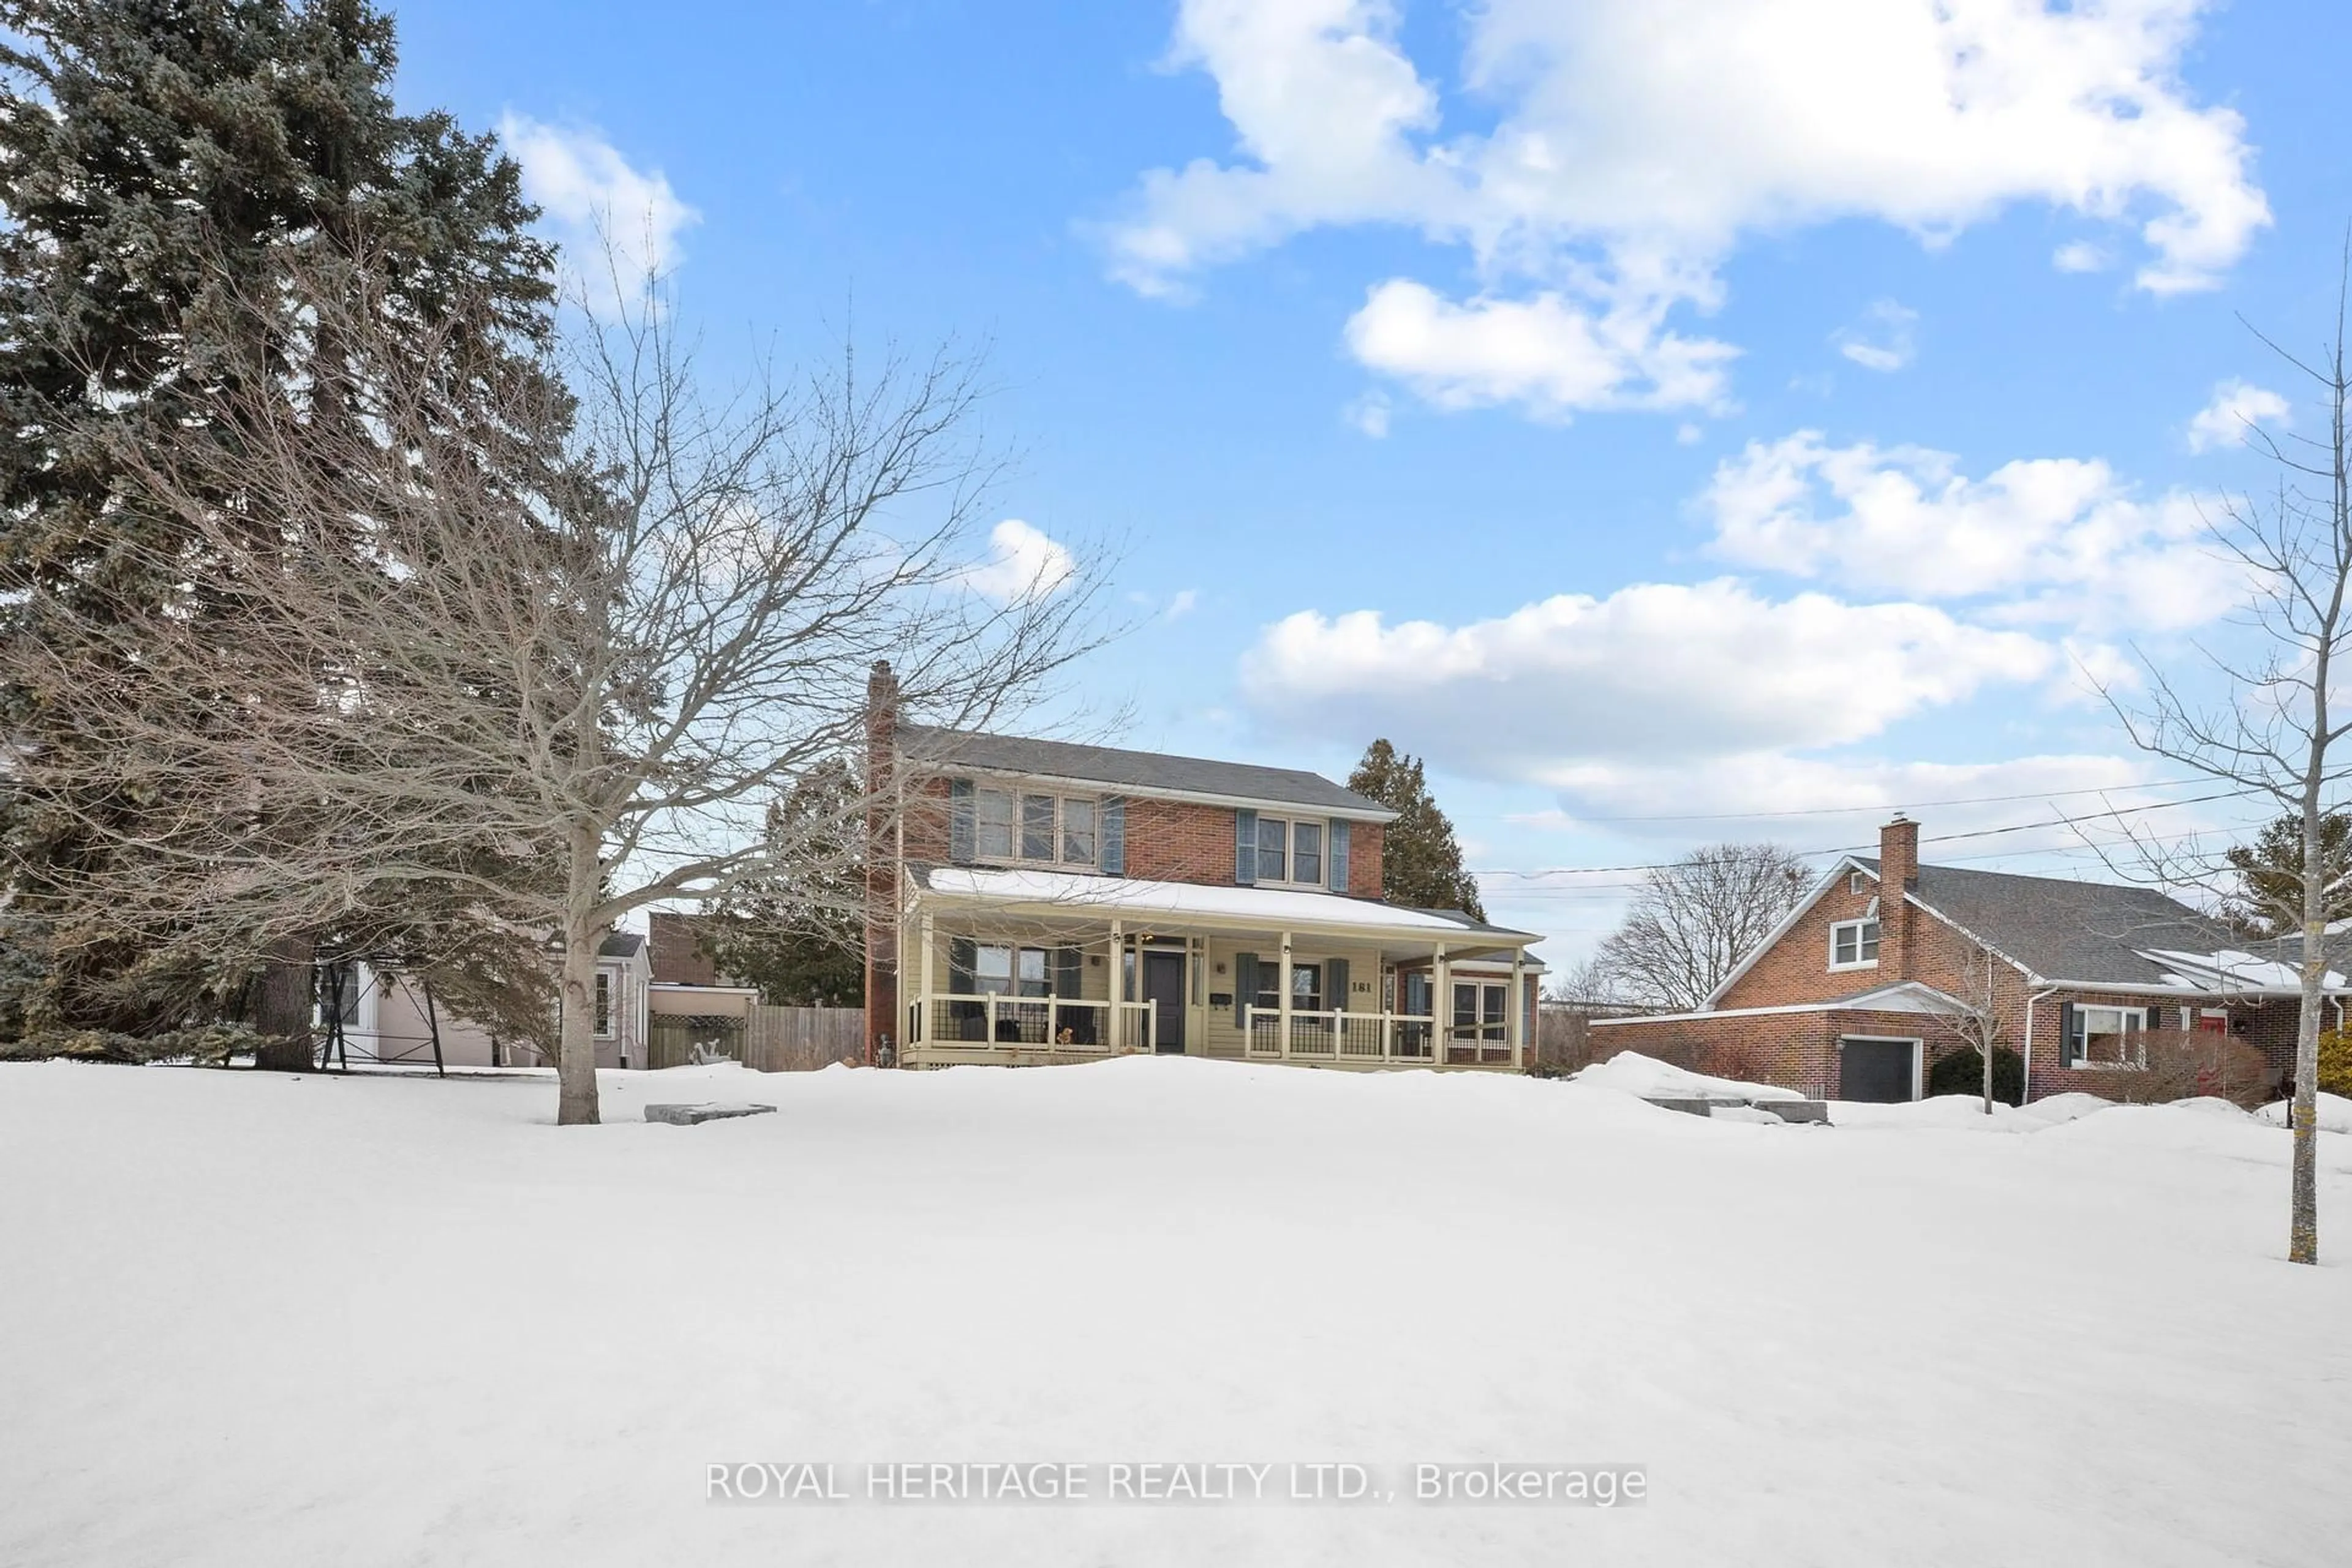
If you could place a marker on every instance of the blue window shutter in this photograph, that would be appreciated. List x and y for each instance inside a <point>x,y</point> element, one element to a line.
<point>1338,856</point>
<point>1066,963</point>
<point>959,833</point>
<point>1335,985</point>
<point>962,958</point>
<point>1245,988</point>
<point>1111,852</point>
<point>1246,848</point>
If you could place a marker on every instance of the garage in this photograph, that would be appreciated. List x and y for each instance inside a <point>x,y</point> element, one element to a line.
<point>1879,1072</point>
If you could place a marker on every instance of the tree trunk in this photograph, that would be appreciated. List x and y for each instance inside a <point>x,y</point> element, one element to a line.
<point>2302,1225</point>
<point>575,1057</point>
<point>282,1015</point>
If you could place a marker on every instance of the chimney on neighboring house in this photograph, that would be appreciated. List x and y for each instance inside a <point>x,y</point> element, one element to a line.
<point>1898,873</point>
<point>883,879</point>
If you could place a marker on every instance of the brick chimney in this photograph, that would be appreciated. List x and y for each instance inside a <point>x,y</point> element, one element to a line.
<point>1898,873</point>
<point>883,878</point>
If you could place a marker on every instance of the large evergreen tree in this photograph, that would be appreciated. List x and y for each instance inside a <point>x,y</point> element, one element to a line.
<point>164,164</point>
<point>2270,873</point>
<point>1421,864</point>
<point>798,934</point>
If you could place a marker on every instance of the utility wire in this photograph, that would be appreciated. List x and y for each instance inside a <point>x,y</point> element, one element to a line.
<point>1908,806</point>
<point>1853,848</point>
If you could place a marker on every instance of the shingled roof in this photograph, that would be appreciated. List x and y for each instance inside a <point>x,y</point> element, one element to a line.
<point>2061,929</point>
<point>1156,771</point>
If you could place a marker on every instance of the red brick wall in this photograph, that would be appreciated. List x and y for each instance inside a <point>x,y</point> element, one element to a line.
<point>1365,847</point>
<point>1179,841</point>
<point>1167,840</point>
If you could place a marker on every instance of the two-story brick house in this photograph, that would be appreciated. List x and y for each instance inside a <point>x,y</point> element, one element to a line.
<point>1865,982</point>
<point>1036,901</point>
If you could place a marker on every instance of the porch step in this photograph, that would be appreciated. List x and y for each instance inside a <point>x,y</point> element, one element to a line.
<point>1814,1110</point>
<point>711,1111</point>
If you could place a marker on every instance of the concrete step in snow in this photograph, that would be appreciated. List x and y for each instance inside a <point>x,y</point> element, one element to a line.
<point>1786,1110</point>
<point>711,1111</point>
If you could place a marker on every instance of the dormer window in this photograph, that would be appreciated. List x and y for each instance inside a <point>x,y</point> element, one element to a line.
<point>1853,944</point>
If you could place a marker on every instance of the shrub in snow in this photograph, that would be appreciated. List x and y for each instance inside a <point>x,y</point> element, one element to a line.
<point>212,1043</point>
<point>2192,1064</point>
<point>1962,1072</point>
<point>2335,1062</point>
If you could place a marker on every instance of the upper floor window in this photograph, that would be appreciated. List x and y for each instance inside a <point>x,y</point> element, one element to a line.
<point>1856,881</point>
<point>1026,824</point>
<point>1289,851</point>
<point>1853,944</point>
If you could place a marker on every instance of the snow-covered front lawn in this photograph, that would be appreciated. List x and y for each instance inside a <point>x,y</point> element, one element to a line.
<point>252,1320</point>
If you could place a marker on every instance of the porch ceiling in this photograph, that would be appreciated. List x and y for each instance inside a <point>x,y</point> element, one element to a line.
<point>1191,908</point>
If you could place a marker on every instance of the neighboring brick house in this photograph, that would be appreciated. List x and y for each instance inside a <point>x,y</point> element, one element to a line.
<point>1037,900</point>
<point>1856,992</point>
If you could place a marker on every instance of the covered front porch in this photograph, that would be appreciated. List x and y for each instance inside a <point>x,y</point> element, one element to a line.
<point>1000,970</point>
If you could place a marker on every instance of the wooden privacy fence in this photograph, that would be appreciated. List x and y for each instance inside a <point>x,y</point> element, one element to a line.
<point>770,1039</point>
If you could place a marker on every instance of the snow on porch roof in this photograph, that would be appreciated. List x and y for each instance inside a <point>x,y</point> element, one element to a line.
<point>1270,909</point>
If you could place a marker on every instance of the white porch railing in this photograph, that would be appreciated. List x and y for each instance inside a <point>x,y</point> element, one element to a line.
<point>1336,1035</point>
<point>987,1021</point>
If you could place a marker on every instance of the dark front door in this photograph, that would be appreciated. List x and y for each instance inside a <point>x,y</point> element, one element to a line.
<point>1163,982</point>
<point>1877,1071</point>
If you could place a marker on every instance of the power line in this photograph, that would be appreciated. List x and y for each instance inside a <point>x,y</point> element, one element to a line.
<point>1905,806</point>
<point>1853,848</point>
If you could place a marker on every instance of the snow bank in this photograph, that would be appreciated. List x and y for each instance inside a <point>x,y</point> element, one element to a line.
<point>256,1318</point>
<point>1634,1073</point>
<point>1962,1112</point>
<point>2334,1112</point>
<point>2069,1107</point>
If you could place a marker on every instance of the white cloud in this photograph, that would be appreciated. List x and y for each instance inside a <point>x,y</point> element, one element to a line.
<point>1023,563</point>
<point>2081,256</point>
<point>1369,414</point>
<point>1546,354</point>
<point>2058,539</point>
<point>1652,671</point>
<point>2231,413</point>
<point>597,201</point>
<point>1183,603</point>
<point>1883,340</point>
<point>1634,143</point>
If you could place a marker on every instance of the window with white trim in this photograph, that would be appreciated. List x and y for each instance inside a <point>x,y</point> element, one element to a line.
<point>1856,881</point>
<point>1290,851</point>
<point>1853,944</point>
<point>1034,827</point>
<point>1005,971</point>
<point>2102,1036</point>
<point>604,1004</point>
<point>1306,987</point>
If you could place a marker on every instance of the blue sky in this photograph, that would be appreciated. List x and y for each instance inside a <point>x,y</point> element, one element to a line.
<point>1645,408</point>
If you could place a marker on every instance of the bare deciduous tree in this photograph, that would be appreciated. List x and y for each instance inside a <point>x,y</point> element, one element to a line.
<point>2272,722</point>
<point>1692,923</point>
<point>1979,1023</point>
<point>593,638</point>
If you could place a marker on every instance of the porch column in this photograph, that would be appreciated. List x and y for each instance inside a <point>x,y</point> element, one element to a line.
<point>1441,1007</point>
<point>1115,1034</point>
<point>1283,997</point>
<point>1518,1008</point>
<point>924,1006</point>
